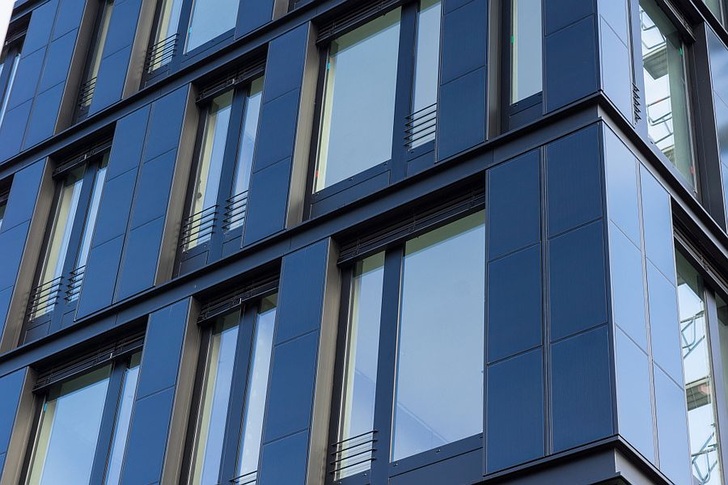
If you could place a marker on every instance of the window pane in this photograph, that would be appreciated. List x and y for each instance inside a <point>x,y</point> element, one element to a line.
<point>66,209</point>
<point>426,72</point>
<point>210,18</point>
<point>97,48</point>
<point>257,389</point>
<point>91,213</point>
<point>167,24</point>
<point>2,213</point>
<point>123,419</point>
<point>214,401</point>
<point>69,430</point>
<point>243,166</point>
<point>698,376</point>
<point>714,6</point>
<point>360,369</point>
<point>526,40</point>
<point>665,89</point>
<point>12,64</point>
<point>358,108</point>
<point>441,337</point>
<point>207,182</point>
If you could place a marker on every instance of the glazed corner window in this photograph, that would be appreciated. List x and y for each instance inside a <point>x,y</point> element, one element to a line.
<point>705,449</point>
<point>209,19</point>
<point>93,61</point>
<point>361,109</point>
<point>218,195</point>
<point>232,386</point>
<point>9,58</point>
<point>68,235</point>
<point>77,439</point>
<point>438,281</point>
<point>666,101</point>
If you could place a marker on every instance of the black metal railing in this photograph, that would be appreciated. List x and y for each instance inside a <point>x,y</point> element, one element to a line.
<point>198,228</point>
<point>43,298</point>
<point>160,53</point>
<point>350,455</point>
<point>86,93</point>
<point>236,208</point>
<point>247,479</point>
<point>420,126</point>
<point>75,280</point>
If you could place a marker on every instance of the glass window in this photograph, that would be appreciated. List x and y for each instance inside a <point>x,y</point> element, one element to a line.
<point>164,34</point>
<point>439,278</point>
<point>219,190</point>
<point>209,19</point>
<point>68,431</point>
<point>359,95</point>
<point>699,385</point>
<point>9,58</point>
<point>66,449</point>
<point>357,129</point>
<point>666,102</point>
<point>239,343</point>
<point>93,62</point>
<point>525,49</point>
<point>69,234</point>
<point>715,7</point>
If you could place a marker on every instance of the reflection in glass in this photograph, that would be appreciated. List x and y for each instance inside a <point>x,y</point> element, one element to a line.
<point>705,455</point>
<point>360,369</point>
<point>123,419</point>
<point>12,63</point>
<point>214,401</point>
<point>668,122</point>
<point>210,18</point>
<point>257,388</point>
<point>526,34</point>
<point>358,108</point>
<point>68,431</point>
<point>97,48</point>
<point>166,29</point>
<point>244,163</point>
<point>207,182</point>
<point>2,213</point>
<point>441,339</point>
<point>427,56</point>
<point>714,6</point>
<point>60,235</point>
<point>92,212</point>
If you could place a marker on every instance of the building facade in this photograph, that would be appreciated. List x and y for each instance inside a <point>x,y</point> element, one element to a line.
<point>346,242</point>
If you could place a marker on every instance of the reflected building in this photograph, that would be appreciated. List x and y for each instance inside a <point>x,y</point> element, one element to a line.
<point>353,242</point>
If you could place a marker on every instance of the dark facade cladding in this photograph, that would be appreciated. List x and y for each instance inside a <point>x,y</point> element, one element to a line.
<point>345,242</point>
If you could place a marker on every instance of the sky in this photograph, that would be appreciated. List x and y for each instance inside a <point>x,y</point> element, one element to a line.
<point>6,8</point>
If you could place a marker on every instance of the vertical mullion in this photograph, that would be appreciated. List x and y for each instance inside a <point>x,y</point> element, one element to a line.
<point>237,110</point>
<point>342,337</point>
<point>236,408</point>
<point>79,220</point>
<point>719,391</point>
<point>182,31</point>
<point>404,88</point>
<point>386,370</point>
<point>108,421</point>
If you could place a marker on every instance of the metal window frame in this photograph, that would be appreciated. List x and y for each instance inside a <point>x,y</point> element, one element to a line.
<point>392,242</point>
<point>396,168</point>
<point>245,303</point>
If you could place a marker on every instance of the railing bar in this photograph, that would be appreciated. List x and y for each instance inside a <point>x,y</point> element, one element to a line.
<point>352,455</point>
<point>351,465</point>
<point>355,437</point>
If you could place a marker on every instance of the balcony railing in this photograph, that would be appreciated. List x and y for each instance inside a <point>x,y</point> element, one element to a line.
<point>198,228</point>
<point>75,280</point>
<point>420,126</point>
<point>43,298</point>
<point>250,478</point>
<point>236,208</point>
<point>352,455</point>
<point>160,53</point>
